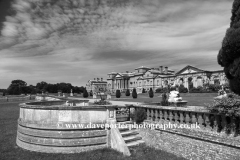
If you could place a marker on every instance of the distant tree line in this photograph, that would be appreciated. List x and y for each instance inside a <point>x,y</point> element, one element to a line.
<point>18,87</point>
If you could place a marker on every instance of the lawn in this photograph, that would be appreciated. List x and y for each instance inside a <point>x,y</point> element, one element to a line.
<point>9,113</point>
<point>194,99</point>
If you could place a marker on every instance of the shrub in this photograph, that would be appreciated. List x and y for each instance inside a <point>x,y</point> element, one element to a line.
<point>173,89</point>
<point>230,108</point>
<point>102,102</point>
<point>182,89</point>
<point>127,93</point>
<point>134,93</point>
<point>143,90</point>
<point>151,93</point>
<point>158,90</point>
<point>213,87</point>
<point>140,115</point>
<point>91,93</point>
<point>118,93</point>
<point>164,101</point>
<point>85,93</point>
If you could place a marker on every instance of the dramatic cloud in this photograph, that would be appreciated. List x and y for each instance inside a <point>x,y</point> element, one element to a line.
<point>76,40</point>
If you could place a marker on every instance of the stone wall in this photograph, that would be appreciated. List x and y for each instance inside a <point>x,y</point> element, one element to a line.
<point>212,126</point>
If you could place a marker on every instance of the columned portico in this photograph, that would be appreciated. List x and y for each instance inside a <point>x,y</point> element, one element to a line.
<point>159,78</point>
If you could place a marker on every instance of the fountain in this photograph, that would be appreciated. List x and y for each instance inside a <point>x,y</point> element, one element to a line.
<point>63,127</point>
<point>175,99</point>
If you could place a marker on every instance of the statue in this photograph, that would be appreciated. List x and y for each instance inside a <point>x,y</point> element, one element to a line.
<point>174,96</point>
<point>71,94</point>
<point>221,94</point>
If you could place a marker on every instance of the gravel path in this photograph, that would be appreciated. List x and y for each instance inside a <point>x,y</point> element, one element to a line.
<point>188,148</point>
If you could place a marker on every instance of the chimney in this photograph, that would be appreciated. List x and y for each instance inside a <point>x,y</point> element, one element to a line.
<point>94,79</point>
<point>126,71</point>
<point>161,69</point>
<point>166,70</point>
<point>97,79</point>
<point>101,79</point>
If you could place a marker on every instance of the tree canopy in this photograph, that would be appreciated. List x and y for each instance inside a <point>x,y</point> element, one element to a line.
<point>229,54</point>
<point>20,87</point>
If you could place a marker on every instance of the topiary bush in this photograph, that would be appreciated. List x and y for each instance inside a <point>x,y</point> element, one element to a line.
<point>164,101</point>
<point>85,93</point>
<point>127,93</point>
<point>151,93</point>
<point>143,90</point>
<point>91,93</point>
<point>140,115</point>
<point>118,93</point>
<point>134,93</point>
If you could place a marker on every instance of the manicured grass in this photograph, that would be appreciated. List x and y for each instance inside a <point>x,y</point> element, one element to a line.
<point>194,99</point>
<point>9,113</point>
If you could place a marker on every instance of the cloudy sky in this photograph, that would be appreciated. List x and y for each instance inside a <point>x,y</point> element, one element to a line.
<point>77,40</point>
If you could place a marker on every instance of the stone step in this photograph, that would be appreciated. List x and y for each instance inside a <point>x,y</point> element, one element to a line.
<point>126,129</point>
<point>126,122</point>
<point>135,143</point>
<point>132,138</point>
<point>128,133</point>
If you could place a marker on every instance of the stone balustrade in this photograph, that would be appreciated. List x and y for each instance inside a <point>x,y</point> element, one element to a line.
<point>176,115</point>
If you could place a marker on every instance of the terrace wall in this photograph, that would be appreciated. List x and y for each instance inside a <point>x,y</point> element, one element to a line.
<point>213,127</point>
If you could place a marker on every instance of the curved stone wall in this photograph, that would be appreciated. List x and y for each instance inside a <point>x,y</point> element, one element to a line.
<point>53,127</point>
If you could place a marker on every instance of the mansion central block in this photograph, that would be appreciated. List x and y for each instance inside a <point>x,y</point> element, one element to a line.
<point>145,77</point>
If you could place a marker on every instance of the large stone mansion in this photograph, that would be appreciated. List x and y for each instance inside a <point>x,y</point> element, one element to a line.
<point>145,77</point>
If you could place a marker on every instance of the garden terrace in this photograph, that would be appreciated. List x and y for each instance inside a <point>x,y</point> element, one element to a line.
<point>214,127</point>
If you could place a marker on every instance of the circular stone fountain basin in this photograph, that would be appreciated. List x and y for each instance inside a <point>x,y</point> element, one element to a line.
<point>54,127</point>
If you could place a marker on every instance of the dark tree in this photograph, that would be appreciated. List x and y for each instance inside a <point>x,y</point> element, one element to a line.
<point>15,88</point>
<point>134,93</point>
<point>127,92</point>
<point>118,94</point>
<point>143,90</point>
<point>229,54</point>
<point>85,93</point>
<point>151,93</point>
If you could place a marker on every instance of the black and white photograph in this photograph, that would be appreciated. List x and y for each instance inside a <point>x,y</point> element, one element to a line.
<point>119,79</point>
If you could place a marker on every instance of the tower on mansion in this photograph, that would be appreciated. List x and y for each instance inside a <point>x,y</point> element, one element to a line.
<point>145,77</point>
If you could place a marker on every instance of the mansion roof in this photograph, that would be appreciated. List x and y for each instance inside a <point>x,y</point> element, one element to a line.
<point>156,72</point>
